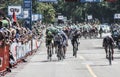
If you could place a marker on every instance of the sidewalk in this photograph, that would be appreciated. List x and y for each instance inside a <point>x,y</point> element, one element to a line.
<point>26,69</point>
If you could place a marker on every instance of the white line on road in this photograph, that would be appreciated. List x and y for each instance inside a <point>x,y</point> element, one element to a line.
<point>88,67</point>
<point>90,70</point>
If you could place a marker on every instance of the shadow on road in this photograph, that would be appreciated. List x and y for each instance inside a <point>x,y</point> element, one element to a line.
<point>81,69</point>
<point>116,57</point>
<point>98,47</point>
<point>100,65</point>
<point>44,61</point>
<point>54,60</point>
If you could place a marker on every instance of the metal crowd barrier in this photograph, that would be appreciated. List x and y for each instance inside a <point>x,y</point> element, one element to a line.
<point>19,51</point>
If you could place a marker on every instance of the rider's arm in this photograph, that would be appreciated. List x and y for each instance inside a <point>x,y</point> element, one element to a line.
<point>103,44</point>
<point>112,40</point>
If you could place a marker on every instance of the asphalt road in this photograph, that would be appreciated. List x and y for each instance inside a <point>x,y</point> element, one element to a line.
<point>90,62</point>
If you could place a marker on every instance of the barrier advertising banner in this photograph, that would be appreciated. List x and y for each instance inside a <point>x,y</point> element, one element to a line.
<point>13,49</point>
<point>1,61</point>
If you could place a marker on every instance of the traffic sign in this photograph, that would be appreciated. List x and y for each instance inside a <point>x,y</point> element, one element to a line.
<point>89,17</point>
<point>25,13</point>
<point>117,16</point>
<point>27,3</point>
<point>60,17</point>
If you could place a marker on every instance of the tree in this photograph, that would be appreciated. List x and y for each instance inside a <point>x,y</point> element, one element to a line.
<point>104,11</point>
<point>47,10</point>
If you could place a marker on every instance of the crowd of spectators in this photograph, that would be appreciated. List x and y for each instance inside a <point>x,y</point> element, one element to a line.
<point>11,32</point>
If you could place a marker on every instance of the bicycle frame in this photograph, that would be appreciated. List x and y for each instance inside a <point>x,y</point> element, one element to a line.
<point>110,55</point>
<point>60,53</point>
<point>49,51</point>
<point>75,48</point>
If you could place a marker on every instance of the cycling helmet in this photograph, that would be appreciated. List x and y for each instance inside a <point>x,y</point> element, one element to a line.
<point>49,33</point>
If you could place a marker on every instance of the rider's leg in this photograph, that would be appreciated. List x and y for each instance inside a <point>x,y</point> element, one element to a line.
<point>106,51</point>
<point>72,41</point>
<point>52,48</point>
<point>112,52</point>
<point>47,52</point>
<point>64,49</point>
<point>58,49</point>
<point>77,43</point>
<point>56,46</point>
<point>48,48</point>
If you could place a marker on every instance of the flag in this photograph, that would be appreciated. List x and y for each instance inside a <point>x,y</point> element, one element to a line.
<point>14,17</point>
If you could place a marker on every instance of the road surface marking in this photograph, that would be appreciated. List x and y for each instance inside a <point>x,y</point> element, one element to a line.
<point>88,67</point>
<point>90,70</point>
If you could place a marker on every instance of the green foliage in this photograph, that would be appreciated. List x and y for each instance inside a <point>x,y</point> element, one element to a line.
<point>104,11</point>
<point>46,9</point>
<point>5,3</point>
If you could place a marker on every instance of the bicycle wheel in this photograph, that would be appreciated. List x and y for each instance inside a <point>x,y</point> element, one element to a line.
<point>110,56</point>
<point>75,48</point>
<point>60,53</point>
<point>49,52</point>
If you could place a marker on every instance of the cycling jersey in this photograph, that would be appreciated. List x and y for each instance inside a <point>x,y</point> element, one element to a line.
<point>108,41</point>
<point>65,40</point>
<point>49,39</point>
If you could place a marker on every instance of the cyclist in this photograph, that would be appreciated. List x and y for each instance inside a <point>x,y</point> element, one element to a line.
<point>108,40</point>
<point>100,32</point>
<point>65,42</point>
<point>74,38</point>
<point>49,38</point>
<point>59,43</point>
<point>56,42</point>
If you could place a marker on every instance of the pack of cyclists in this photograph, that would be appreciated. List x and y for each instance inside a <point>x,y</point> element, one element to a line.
<point>57,41</point>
